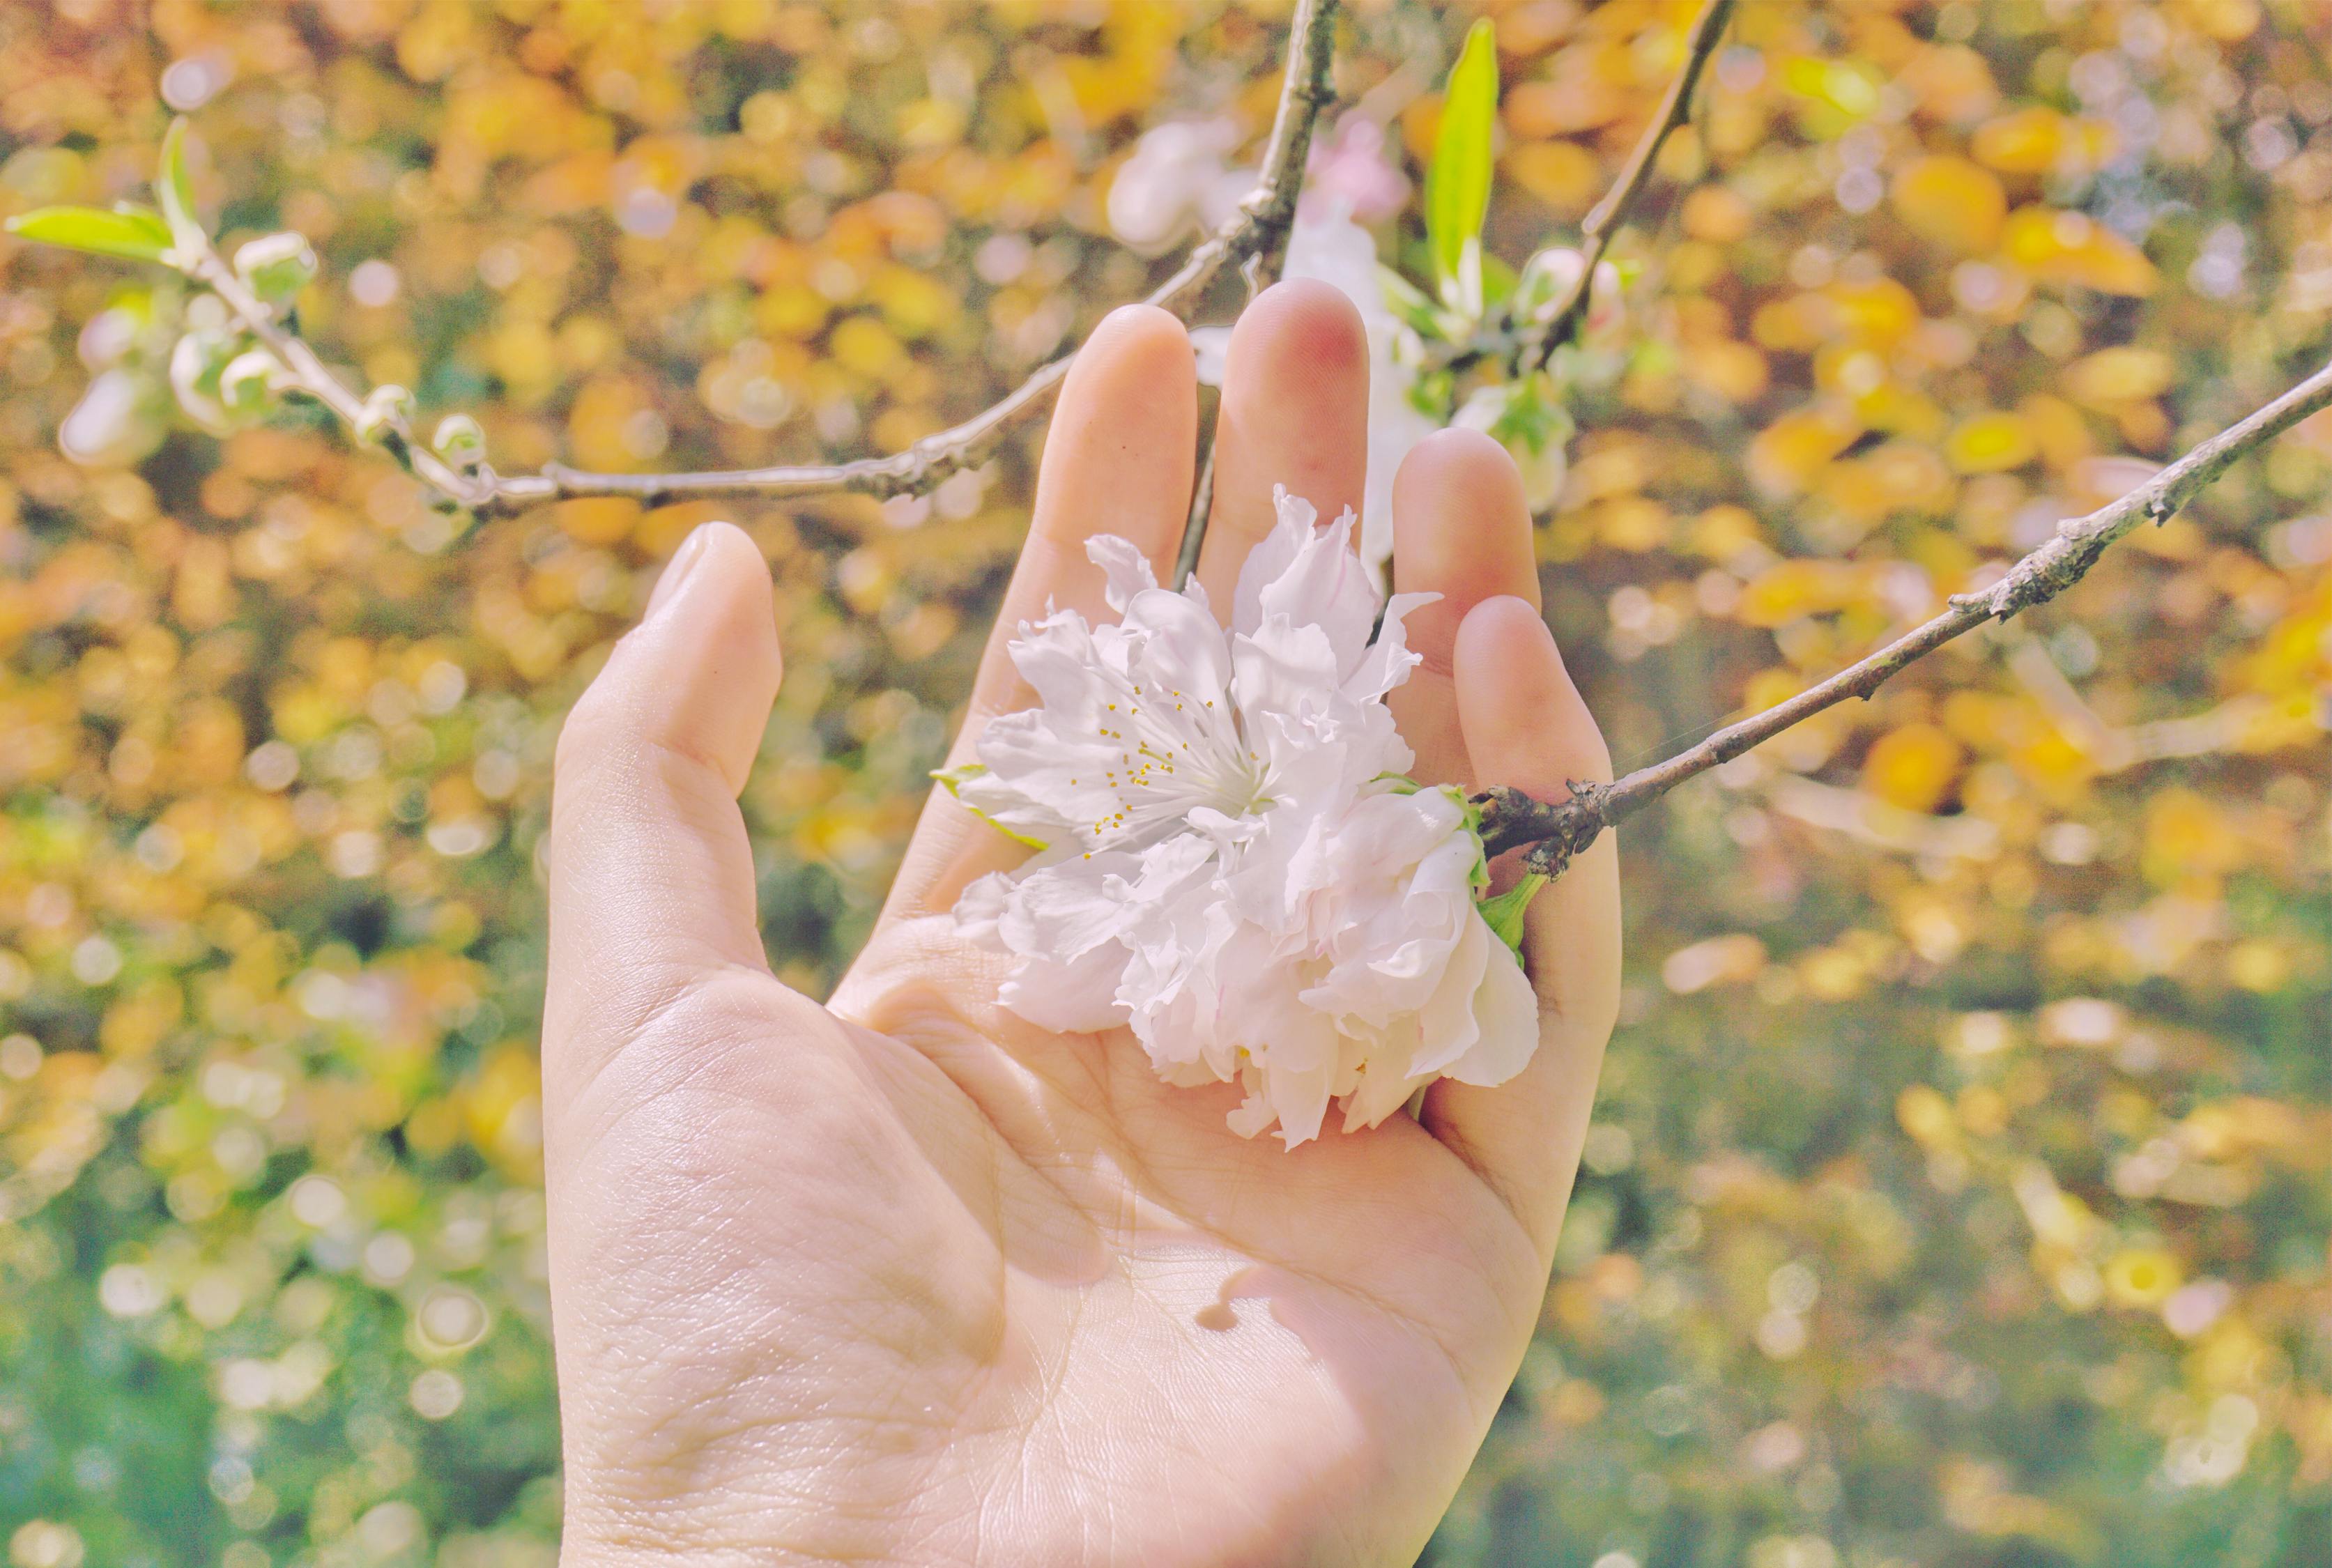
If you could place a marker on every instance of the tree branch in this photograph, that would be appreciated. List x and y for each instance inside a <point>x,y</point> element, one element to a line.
<point>1525,347</point>
<point>1307,89</point>
<point>1254,238</point>
<point>314,379</point>
<point>1558,830</point>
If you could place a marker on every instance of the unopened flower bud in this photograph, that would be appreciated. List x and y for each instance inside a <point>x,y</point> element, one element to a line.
<point>459,440</point>
<point>116,422</point>
<point>387,411</point>
<point>248,382</point>
<point>1547,277</point>
<point>197,364</point>
<point>107,338</point>
<point>276,267</point>
<point>1603,305</point>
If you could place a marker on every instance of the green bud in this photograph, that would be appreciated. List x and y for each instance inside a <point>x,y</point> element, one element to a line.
<point>459,440</point>
<point>387,411</point>
<point>276,267</point>
<point>196,363</point>
<point>247,384</point>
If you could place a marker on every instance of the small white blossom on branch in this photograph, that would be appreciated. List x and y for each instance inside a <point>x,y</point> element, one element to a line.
<point>1230,861</point>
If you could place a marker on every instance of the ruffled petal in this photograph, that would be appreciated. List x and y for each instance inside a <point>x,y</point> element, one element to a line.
<point>1310,576</point>
<point>1272,554</point>
<point>979,908</point>
<point>1125,566</point>
<point>1447,1021</point>
<point>1075,997</point>
<point>1390,658</point>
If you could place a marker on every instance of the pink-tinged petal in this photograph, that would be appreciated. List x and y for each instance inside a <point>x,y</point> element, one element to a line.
<point>1271,558</point>
<point>1506,1008</point>
<point>1075,997</point>
<point>1065,911</point>
<point>981,906</point>
<point>1319,582</point>
<point>1300,1095</point>
<point>1253,1116</point>
<point>1281,670</point>
<point>1390,658</point>
<point>1186,659</point>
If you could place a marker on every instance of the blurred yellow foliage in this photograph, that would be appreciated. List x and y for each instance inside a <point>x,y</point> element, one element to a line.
<point>1971,1047</point>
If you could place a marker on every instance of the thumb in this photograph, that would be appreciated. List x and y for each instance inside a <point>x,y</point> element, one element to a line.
<point>651,875</point>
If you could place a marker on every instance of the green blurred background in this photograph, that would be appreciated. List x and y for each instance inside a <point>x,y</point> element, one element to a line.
<point>1958,1194</point>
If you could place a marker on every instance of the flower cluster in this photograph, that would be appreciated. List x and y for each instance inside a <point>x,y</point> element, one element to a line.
<point>1231,862</point>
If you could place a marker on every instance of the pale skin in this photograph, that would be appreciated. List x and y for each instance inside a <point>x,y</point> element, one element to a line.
<point>901,1279</point>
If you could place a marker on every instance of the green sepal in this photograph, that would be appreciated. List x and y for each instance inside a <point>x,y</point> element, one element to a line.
<point>952,780</point>
<point>1505,912</point>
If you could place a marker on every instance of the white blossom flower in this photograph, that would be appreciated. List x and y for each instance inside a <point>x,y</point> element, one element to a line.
<point>1230,862</point>
<point>1349,167</point>
<point>1174,181</point>
<point>115,424</point>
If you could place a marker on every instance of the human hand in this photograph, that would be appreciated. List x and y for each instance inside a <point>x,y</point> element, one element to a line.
<point>904,1279</point>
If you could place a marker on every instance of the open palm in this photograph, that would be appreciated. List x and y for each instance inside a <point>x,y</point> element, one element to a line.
<point>904,1279</point>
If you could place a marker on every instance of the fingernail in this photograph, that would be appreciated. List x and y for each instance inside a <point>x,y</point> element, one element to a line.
<point>676,571</point>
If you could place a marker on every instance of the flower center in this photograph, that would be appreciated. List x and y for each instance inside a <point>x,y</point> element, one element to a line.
<point>1175,753</point>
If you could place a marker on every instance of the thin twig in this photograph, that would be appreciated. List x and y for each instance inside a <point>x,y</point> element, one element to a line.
<point>1525,346</point>
<point>1306,89</point>
<point>314,379</point>
<point>1558,830</point>
<point>1256,235</point>
<point>1202,506</point>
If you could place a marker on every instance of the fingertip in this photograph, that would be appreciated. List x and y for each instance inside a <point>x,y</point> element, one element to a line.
<point>1459,452</point>
<point>1300,327</point>
<point>1295,413</point>
<point>1135,344</point>
<point>702,669</point>
<point>1118,458</point>
<point>1524,719</point>
<point>1461,447</point>
<point>1501,627</point>
<point>1461,522</point>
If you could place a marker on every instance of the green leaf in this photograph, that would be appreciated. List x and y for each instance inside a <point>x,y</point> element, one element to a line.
<point>175,191</point>
<point>1505,912</point>
<point>138,236</point>
<point>1457,182</point>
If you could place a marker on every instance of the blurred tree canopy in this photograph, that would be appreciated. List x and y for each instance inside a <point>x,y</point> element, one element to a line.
<point>1958,1194</point>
